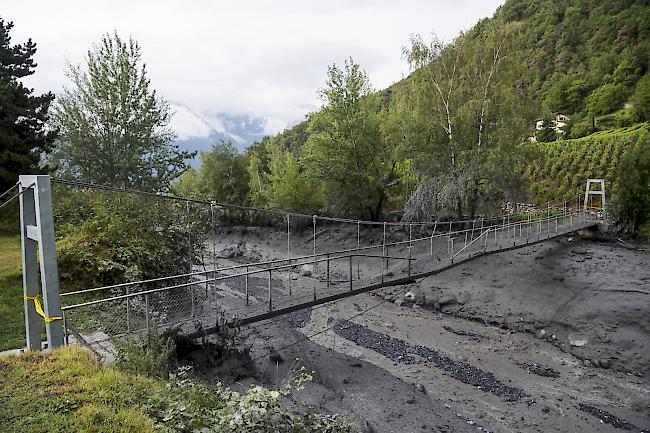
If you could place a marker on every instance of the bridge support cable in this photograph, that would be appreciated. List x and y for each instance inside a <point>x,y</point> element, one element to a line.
<point>405,256</point>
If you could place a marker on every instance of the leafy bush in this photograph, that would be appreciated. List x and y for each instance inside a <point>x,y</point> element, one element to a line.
<point>153,358</point>
<point>582,128</point>
<point>105,238</point>
<point>607,98</point>
<point>641,99</point>
<point>188,406</point>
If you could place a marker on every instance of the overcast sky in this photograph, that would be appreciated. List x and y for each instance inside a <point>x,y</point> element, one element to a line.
<point>216,59</point>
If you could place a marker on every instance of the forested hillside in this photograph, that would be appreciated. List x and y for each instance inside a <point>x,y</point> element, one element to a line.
<point>452,138</point>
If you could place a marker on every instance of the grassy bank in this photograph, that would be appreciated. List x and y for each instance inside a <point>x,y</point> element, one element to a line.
<point>12,327</point>
<point>67,390</point>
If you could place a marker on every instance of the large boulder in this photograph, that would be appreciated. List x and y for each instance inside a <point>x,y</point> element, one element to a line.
<point>306,270</point>
<point>416,296</point>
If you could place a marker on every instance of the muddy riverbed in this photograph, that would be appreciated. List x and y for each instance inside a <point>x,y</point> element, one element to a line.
<point>552,337</point>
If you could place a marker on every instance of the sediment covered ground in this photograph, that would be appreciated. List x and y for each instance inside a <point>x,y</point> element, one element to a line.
<point>552,337</point>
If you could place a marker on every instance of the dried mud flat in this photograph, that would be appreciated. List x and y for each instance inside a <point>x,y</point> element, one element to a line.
<point>552,337</point>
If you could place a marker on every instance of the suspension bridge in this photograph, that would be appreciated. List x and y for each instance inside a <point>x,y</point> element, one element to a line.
<point>218,291</point>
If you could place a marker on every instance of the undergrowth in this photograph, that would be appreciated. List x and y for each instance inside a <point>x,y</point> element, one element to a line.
<point>68,390</point>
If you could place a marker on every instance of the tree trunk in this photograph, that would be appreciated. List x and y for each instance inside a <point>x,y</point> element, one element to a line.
<point>473,204</point>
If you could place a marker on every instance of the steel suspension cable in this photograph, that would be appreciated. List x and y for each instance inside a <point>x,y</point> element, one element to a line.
<point>15,196</point>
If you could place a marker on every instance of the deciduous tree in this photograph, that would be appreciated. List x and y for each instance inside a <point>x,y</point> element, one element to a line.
<point>114,129</point>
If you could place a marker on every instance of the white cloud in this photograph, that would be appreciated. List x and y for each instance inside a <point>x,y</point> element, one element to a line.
<point>261,59</point>
<point>187,124</point>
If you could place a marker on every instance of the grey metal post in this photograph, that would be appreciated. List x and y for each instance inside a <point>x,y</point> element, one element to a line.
<point>410,237</point>
<point>65,330</point>
<point>246,285</point>
<point>452,250</point>
<point>146,313</point>
<point>270,296</point>
<point>189,256</point>
<point>288,237</point>
<point>473,225</point>
<point>328,271</point>
<point>37,241</point>
<point>128,311</point>
<point>383,253</point>
<point>358,247</point>
<point>350,272</point>
<point>314,246</point>
<point>435,225</point>
<point>288,253</point>
<point>214,243</point>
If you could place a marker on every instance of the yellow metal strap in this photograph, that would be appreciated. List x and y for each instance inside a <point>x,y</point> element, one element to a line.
<point>39,308</point>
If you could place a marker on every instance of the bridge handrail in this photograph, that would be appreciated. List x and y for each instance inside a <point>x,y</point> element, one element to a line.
<point>227,277</point>
<point>264,270</point>
<point>294,258</point>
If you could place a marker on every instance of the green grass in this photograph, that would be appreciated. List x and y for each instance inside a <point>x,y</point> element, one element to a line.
<point>68,390</point>
<point>12,326</point>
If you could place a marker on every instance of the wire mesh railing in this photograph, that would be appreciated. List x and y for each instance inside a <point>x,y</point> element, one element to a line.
<point>245,293</point>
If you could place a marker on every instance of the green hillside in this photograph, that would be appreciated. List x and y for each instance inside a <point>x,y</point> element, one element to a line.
<point>562,167</point>
<point>452,137</point>
<point>584,57</point>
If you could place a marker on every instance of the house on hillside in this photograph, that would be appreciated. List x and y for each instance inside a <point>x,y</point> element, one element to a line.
<point>558,122</point>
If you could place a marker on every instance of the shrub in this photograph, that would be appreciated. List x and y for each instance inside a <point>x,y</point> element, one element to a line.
<point>641,99</point>
<point>105,238</point>
<point>188,406</point>
<point>152,358</point>
<point>607,98</point>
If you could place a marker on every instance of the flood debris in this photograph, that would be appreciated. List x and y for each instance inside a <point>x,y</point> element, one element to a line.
<point>402,352</point>
<point>300,318</point>
<point>608,418</point>
<point>539,370</point>
<point>470,335</point>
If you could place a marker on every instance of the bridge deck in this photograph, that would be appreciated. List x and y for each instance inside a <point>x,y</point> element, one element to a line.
<point>246,294</point>
<point>426,265</point>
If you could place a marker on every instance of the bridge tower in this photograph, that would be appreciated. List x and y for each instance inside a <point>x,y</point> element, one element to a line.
<point>590,192</point>
<point>39,263</point>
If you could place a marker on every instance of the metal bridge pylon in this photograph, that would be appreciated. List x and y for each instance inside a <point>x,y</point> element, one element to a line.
<point>39,260</point>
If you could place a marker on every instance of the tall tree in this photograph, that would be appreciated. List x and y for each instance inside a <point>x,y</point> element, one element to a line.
<point>222,176</point>
<point>345,150</point>
<point>435,86</point>
<point>23,134</point>
<point>471,102</point>
<point>114,128</point>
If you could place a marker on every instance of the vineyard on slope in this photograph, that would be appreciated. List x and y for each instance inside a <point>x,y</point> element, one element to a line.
<point>561,168</point>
